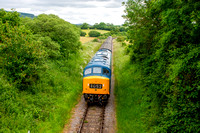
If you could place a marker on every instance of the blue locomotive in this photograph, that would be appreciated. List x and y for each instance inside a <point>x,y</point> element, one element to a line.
<point>97,75</point>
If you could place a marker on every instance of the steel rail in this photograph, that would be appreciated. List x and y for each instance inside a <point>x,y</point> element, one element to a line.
<point>83,119</point>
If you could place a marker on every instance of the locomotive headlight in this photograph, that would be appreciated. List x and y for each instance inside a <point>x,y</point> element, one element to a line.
<point>88,84</point>
<point>103,85</point>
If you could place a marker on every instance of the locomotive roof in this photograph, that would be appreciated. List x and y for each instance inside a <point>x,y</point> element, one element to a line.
<point>101,58</point>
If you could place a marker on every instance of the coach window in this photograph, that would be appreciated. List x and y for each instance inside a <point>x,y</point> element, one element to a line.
<point>106,72</point>
<point>97,70</point>
<point>88,71</point>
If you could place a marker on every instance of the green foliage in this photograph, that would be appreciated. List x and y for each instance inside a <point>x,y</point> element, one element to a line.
<point>105,35</point>
<point>83,33</point>
<point>59,31</point>
<point>123,44</point>
<point>12,18</point>
<point>94,34</point>
<point>95,40</point>
<point>166,46</point>
<point>121,39</point>
<point>51,47</point>
<point>20,56</point>
<point>38,87</point>
<point>84,26</point>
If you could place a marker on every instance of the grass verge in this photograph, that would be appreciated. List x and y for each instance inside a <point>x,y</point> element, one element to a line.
<point>128,91</point>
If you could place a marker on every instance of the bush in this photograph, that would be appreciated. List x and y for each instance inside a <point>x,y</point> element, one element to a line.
<point>120,38</point>
<point>94,34</point>
<point>123,44</point>
<point>95,40</point>
<point>82,33</point>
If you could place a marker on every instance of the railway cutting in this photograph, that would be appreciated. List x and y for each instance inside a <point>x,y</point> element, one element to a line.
<point>94,117</point>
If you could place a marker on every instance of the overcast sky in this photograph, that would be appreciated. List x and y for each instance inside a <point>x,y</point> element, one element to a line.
<point>73,11</point>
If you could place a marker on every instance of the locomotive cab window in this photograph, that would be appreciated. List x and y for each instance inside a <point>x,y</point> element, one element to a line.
<point>97,70</point>
<point>88,71</point>
<point>106,72</point>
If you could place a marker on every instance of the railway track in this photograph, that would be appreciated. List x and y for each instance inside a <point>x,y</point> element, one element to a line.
<point>93,119</point>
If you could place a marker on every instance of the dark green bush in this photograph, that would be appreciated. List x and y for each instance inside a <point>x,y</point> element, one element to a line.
<point>95,40</point>
<point>82,33</point>
<point>94,34</point>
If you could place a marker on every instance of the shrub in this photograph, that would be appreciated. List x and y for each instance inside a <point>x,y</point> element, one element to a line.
<point>95,40</point>
<point>82,33</point>
<point>120,38</point>
<point>123,44</point>
<point>94,34</point>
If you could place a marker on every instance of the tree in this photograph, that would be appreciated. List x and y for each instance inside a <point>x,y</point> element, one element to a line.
<point>59,31</point>
<point>84,26</point>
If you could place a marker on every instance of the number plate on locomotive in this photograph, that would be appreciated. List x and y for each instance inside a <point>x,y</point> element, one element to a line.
<point>96,86</point>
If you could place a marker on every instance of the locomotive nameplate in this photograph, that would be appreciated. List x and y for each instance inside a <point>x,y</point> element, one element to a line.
<point>96,86</point>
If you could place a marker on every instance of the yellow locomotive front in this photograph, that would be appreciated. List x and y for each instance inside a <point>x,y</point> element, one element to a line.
<point>96,85</point>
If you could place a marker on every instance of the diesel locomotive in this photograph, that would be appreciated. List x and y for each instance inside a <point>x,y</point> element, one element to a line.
<point>97,75</point>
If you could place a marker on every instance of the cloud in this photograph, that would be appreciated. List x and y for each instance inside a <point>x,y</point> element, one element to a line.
<point>74,11</point>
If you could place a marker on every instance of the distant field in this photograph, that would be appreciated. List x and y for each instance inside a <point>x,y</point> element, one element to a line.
<point>86,39</point>
<point>101,31</point>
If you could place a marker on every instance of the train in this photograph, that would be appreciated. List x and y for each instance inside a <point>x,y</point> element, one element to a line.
<point>97,75</point>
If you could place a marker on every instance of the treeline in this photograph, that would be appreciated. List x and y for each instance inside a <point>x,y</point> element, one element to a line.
<point>164,37</point>
<point>38,72</point>
<point>103,26</point>
<point>115,30</point>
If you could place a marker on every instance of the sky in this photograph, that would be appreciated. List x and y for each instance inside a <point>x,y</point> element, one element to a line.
<point>73,11</point>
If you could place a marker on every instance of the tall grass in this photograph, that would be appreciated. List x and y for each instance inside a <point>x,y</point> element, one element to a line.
<point>128,90</point>
<point>48,107</point>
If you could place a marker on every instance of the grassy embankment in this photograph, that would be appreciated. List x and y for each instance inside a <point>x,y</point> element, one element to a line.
<point>48,108</point>
<point>128,93</point>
